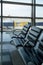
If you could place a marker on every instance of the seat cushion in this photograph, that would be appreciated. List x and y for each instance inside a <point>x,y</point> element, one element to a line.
<point>24,55</point>
<point>17,42</point>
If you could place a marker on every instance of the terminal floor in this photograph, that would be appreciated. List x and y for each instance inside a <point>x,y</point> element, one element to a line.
<point>7,48</point>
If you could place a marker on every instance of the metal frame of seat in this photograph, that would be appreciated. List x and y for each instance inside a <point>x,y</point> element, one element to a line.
<point>22,35</point>
<point>31,38</point>
<point>23,32</point>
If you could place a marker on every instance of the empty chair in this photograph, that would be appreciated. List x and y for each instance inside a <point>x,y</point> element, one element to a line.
<point>31,38</point>
<point>23,32</point>
<point>40,49</point>
<point>22,35</point>
<point>28,55</point>
<point>37,51</point>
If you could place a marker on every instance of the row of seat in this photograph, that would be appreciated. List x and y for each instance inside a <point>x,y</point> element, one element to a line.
<point>30,49</point>
<point>22,35</point>
<point>23,32</point>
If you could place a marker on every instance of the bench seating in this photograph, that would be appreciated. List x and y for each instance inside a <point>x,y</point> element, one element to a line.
<point>35,54</point>
<point>31,38</point>
<point>31,55</point>
<point>23,32</point>
<point>22,35</point>
<point>40,49</point>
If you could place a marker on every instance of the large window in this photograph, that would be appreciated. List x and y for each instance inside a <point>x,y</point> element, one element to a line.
<point>39,1</point>
<point>39,13</point>
<point>16,10</point>
<point>16,15</point>
<point>21,10</point>
<point>0,22</point>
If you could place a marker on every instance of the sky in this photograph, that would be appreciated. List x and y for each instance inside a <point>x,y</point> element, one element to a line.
<point>21,10</point>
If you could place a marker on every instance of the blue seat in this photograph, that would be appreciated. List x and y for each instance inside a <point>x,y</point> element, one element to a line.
<point>23,32</point>
<point>29,53</point>
<point>31,38</point>
<point>21,36</point>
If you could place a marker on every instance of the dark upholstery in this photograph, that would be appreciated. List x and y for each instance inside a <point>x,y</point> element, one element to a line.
<point>33,35</point>
<point>30,39</point>
<point>38,50</point>
<point>31,63</point>
<point>24,32</point>
<point>21,36</point>
<point>34,53</point>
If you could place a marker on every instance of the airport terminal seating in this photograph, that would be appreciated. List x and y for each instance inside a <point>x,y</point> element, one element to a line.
<point>23,32</point>
<point>32,55</point>
<point>30,39</point>
<point>35,55</point>
<point>37,51</point>
<point>40,49</point>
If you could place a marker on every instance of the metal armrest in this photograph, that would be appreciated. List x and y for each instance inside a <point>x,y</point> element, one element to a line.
<point>17,34</point>
<point>26,42</point>
<point>17,37</point>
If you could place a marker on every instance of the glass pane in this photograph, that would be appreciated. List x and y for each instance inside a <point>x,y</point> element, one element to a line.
<point>14,23</point>
<point>11,24</point>
<point>25,1</point>
<point>16,10</point>
<point>39,1</point>
<point>0,9</point>
<point>39,23</point>
<point>0,20</point>
<point>39,11</point>
<point>0,29</point>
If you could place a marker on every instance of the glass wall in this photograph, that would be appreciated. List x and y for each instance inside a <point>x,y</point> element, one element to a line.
<point>39,1</point>
<point>0,9</point>
<point>39,13</point>
<point>14,23</point>
<point>16,10</point>
<point>0,22</point>
<point>15,15</point>
<point>0,17</point>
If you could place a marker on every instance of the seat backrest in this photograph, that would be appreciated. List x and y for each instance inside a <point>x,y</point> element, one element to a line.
<point>39,48</point>
<point>25,31</point>
<point>33,35</point>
